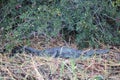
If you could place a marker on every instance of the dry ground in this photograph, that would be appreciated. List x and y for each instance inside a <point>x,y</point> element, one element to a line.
<point>28,67</point>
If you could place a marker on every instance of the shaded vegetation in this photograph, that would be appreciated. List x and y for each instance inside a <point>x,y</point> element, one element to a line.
<point>87,22</point>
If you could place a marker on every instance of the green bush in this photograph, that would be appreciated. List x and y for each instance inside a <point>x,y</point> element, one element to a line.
<point>91,21</point>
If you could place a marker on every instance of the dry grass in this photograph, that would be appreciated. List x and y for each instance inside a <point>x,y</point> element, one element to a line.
<point>27,67</point>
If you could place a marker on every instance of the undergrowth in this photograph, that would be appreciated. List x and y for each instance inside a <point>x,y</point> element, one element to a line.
<point>88,23</point>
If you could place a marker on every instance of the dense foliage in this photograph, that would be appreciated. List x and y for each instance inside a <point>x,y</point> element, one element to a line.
<point>90,21</point>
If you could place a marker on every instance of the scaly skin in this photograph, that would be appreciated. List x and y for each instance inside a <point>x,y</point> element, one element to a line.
<point>64,52</point>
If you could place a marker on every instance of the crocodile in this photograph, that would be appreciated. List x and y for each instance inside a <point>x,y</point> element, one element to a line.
<point>64,52</point>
